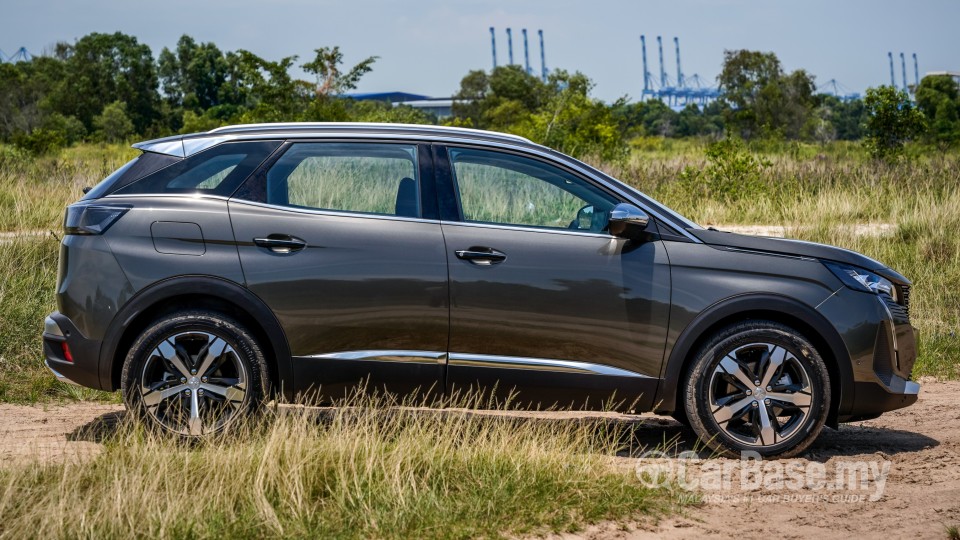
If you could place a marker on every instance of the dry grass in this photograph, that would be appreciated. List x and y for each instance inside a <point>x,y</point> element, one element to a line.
<point>363,471</point>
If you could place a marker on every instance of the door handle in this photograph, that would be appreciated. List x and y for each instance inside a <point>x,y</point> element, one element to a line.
<point>281,243</point>
<point>482,256</point>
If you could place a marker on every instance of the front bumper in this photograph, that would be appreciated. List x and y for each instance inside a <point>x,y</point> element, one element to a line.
<point>71,356</point>
<point>882,346</point>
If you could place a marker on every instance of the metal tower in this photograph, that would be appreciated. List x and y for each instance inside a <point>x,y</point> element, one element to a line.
<point>893,83</point>
<point>663,72</point>
<point>526,53</point>
<point>916,73</point>
<point>903,64</point>
<point>647,90</point>
<point>676,43</point>
<point>20,55</point>
<point>543,58</point>
<point>493,46</point>
<point>510,45</point>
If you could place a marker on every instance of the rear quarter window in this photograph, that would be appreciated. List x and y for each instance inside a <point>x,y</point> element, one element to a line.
<point>216,171</point>
<point>133,170</point>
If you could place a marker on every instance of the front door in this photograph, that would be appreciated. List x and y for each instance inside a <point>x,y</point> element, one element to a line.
<point>333,238</point>
<point>546,306</point>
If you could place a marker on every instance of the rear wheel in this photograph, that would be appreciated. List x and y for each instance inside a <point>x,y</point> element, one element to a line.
<point>758,386</point>
<point>194,373</point>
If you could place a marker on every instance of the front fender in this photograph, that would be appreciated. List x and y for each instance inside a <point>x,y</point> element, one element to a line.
<point>775,307</point>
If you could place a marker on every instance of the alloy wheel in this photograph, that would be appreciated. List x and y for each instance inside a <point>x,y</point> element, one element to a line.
<point>193,383</point>
<point>760,394</point>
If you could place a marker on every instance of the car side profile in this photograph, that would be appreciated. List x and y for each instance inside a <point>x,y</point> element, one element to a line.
<point>297,261</point>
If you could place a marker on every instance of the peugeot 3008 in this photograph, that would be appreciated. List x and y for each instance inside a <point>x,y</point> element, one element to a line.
<point>219,270</point>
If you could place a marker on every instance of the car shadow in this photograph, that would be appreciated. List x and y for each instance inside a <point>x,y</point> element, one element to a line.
<point>635,435</point>
<point>671,437</point>
<point>100,429</point>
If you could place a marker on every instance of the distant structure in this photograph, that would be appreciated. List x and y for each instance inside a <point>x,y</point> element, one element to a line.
<point>906,86</point>
<point>20,55</point>
<point>916,72</point>
<point>687,90</point>
<point>893,81</point>
<point>903,64</point>
<point>526,51</point>
<point>493,46</point>
<point>837,90</point>
<point>955,75</point>
<point>441,107</point>
<point>543,58</point>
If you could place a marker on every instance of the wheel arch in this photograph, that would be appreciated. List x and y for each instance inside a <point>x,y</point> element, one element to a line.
<point>203,292</point>
<point>777,308</point>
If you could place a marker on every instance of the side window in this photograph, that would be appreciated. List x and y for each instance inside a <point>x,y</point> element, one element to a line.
<point>370,178</point>
<point>216,171</point>
<point>506,189</point>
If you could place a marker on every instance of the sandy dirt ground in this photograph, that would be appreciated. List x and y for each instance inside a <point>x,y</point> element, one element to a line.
<point>920,495</point>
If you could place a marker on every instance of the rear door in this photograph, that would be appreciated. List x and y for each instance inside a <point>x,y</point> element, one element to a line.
<point>336,239</point>
<point>545,304</point>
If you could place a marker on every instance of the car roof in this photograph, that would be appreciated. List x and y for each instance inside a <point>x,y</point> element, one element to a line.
<point>187,145</point>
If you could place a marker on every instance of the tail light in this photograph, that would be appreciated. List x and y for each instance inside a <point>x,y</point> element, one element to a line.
<point>92,218</point>
<point>67,355</point>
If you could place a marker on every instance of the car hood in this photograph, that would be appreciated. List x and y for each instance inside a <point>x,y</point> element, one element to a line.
<point>800,248</point>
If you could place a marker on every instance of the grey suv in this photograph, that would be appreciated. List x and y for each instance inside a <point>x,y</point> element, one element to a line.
<point>287,261</point>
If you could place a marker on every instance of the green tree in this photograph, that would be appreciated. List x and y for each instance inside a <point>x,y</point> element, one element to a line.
<point>331,79</point>
<point>271,93</point>
<point>844,119</point>
<point>26,94</point>
<point>762,99</point>
<point>102,68</point>
<point>194,76</point>
<point>468,102</point>
<point>938,97</point>
<point>506,97</point>
<point>572,122</point>
<point>892,119</point>
<point>113,124</point>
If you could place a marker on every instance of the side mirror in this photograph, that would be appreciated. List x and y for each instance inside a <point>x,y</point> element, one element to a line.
<point>585,218</point>
<point>628,221</point>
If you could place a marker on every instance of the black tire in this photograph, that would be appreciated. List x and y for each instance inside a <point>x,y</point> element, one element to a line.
<point>235,382</point>
<point>798,389</point>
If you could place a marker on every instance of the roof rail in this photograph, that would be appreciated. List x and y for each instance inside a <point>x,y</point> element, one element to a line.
<point>288,126</point>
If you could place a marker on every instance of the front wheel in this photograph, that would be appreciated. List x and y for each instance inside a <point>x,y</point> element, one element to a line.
<point>758,386</point>
<point>194,373</point>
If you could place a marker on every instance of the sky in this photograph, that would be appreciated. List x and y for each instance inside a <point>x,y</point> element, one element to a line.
<point>426,46</point>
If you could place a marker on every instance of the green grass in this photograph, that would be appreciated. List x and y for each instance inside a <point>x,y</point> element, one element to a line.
<point>28,270</point>
<point>363,471</point>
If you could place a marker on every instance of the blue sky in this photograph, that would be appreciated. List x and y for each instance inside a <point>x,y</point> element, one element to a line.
<point>428,45</point>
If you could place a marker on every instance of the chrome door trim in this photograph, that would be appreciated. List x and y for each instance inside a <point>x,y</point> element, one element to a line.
<point>386,355</point>
<point>333,213</point>
<point>528,228</point>
<point>539,364</point>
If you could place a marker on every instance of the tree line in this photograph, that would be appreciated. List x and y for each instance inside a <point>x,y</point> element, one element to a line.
<point>109,87</point>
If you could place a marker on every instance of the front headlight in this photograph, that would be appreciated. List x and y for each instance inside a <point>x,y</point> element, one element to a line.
<point>859,279</point>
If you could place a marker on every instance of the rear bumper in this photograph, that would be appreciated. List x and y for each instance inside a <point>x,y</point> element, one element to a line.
<point>70,355</point>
